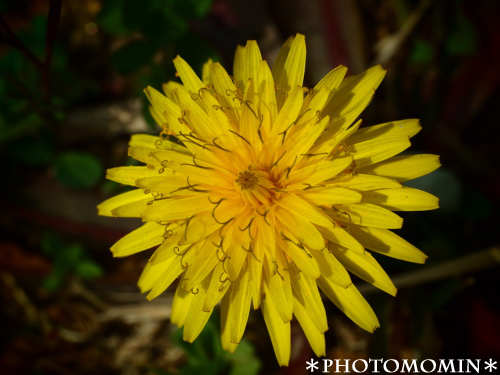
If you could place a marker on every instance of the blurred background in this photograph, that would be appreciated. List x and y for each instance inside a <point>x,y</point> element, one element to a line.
<point>72,74</point>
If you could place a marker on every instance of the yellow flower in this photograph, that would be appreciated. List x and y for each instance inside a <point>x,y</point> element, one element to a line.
<point>268,191</point>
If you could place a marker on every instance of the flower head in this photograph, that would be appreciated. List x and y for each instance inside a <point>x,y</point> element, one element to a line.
<point>260,192</point>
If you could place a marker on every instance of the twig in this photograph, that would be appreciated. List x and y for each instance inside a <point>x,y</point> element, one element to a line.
<point>11,38</point>
<point>453,268</point>
<point>50,37</point>
<point>391,44</point>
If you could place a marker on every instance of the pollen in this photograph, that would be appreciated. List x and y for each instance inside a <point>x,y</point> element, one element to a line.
<point>247,180</point>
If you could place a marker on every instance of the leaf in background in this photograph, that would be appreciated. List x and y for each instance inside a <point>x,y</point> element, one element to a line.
<point>197,56</point>
<point>171,30</point>
<point>30,150</point>
<point>132,56</point>
<point>134,12</point>
<point>78,169</point>
<point>110,18</point>
<point>88,269</point>
<point>244,360</point>
<point>462,39</point>
<point>51,243</point>
<point>421,52</point>
<point>191,9</point>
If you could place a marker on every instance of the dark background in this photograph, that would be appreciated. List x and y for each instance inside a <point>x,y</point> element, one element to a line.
<point>71,95</point>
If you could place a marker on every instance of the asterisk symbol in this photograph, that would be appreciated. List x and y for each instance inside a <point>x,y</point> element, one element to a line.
<point>312,365</point>
<point>490,365</point>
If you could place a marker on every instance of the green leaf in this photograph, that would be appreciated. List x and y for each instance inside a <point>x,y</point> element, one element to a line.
<point>35,151</point>
<point>69,257</point>
<point>132,56</point>
<point>244,360</point>
<point>51,243</point>
<point>88,269</point>
<point>421,52</point>
<point>110,18</point>
<point>191,9</point>
<point>78,170</point>
<point>52,282</point>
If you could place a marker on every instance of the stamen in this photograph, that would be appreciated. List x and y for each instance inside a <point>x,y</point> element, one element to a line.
<point>247,180</point>
<point>239,135</point>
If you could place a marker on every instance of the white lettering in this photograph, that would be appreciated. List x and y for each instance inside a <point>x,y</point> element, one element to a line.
<point>337,365</point>
<point>442,365</point>
<point>354,365</point>
<point>375,370</point>
<point>395,362</point>
<point>476,367</point>
<point>409,368</point>
<point>460,370</point>
<point>423,368</point>
<point>326,364</point>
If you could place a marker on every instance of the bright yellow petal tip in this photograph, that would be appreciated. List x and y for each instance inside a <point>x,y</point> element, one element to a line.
<point>261,192</point>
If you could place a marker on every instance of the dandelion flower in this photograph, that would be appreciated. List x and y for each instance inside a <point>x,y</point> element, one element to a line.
<point>260,192</point>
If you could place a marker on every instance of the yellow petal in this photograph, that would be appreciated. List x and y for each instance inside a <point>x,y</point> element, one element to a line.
<point>219,285</point>
<point>237,301</point>
<point>319,172</point>
<point>299,206</point>
<point>301,257</point>
<point>378,149</point>
<point>351,303</point>
<point>174,209</point>
<point>332,80</point>
<point>365,267</point>
<point>405,167</point>
<point>180,306</point>
<point>306,291</point>
<point>151,274</point>
<point>105,208</point>
<point>170,87</point>
<point>366,214</point>
<point>132,209</point>
<point>239,66</point>
<point>353,91</point>
<point>278,330</point>
<point>188,76</point>
<point>172,270</point>
<point>256,264</point>
<point>226,92</point>
<point>341,237</point>
<point>170,247</point>
<point>205,74</point>
<point>199,227</point>
<point>143,238</point>
<point>314,336</point>
<point>167,185</point>
<point>144,155</point>
<point>226,332</point>
<point>129,175</point>
<point>265,88</point>
<point>331,195</point>
<point>196,317</point>
<point>280,288</point>
<point>408,128</point>
<point>385,242</point>
<point>332,269</point>
<point>290,72</point>
<point>364,182</point>
<point>251,61</point>
<point>288,114</point>
<point>303,230</point>
<point>405,199</point>
<point>202,266</point>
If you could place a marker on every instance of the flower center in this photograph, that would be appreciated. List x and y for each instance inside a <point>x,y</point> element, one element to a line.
<point>247,180</point>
